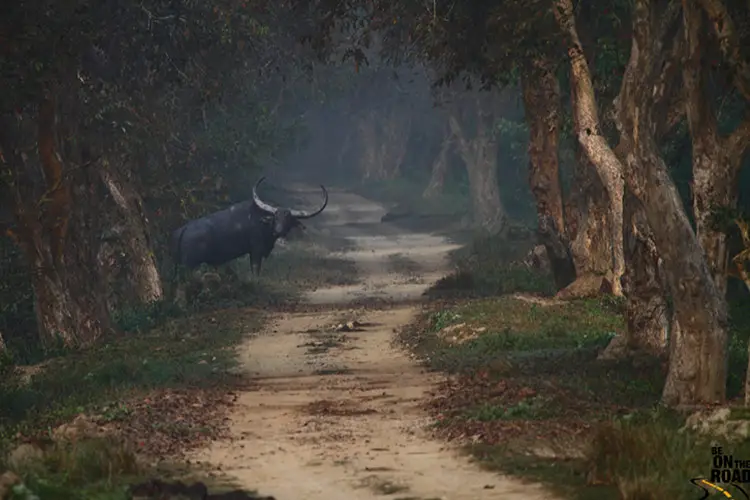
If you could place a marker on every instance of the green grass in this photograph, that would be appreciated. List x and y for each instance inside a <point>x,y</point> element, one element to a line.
<point>536,407</point>
<point>193,352</point>
<point>516,326</point>
<point>532,377</point>
<point>168,356</point>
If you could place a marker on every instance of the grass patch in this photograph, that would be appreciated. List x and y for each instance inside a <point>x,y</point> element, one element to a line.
<point>182,362</point>
<point>527,383</point>
<point>182,352</point>
<point>509,325</point>
<point>529,389</point>
<point>536,407</point>
<point>490,266</point>
<point>95,469</point>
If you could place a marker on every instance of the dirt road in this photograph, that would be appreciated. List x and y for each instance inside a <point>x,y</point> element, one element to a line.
<point>336,414</point>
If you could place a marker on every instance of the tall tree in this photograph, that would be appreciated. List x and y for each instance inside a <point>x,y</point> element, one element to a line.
<point>716,158</point>
<point>471,120</point>
<point>543,110</point>
<point>588,130</point>
<point>697,372</point>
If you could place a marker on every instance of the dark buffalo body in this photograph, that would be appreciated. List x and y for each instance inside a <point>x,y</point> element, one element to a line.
<point>250,227</point>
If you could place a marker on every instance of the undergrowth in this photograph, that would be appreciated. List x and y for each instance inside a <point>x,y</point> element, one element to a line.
<point>491,265</point>
<point>91,469</point>
<point>183,352</point>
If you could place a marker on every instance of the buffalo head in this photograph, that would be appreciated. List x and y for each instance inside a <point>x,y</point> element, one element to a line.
<point>284,219</point>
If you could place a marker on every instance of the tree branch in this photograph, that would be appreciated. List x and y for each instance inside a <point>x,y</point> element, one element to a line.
<point>730,44</point>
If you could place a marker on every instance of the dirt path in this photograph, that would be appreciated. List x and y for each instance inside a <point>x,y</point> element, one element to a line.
<point>336,414</point>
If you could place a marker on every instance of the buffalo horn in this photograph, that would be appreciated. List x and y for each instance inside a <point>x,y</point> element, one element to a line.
<point>260,203</point>
<point>301,214</point>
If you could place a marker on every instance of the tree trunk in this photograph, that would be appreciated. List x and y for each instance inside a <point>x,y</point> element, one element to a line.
<point>480,157</point>
<point>716,160</point>
<point>728,155</point>
<point>142,269</point>
<point>697,370</point>
<point>395,132</point>
<point>647,308</point>
<point>589,223</point>
<point>58,236</point>
<point>439,169</point>
<point>370,160</point>
<point>541,97</point>
<point>593,143</point>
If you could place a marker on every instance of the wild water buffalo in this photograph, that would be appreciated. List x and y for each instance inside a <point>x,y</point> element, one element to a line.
<point>250,227</point>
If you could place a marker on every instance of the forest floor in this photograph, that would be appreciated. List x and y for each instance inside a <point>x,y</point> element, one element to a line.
<point>405,366</point>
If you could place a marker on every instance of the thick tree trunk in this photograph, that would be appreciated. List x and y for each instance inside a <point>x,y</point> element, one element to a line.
<point>144,278</point>
<point>439,169</point>
<point>588,217</point>
<point>593,143</point>
<point>58,236</point>
<point>541,96</point>
<point>697,371</point>
<point>732,148</point>
<point>480,157</point>
<point>716,160</point>
<point>647,309</point>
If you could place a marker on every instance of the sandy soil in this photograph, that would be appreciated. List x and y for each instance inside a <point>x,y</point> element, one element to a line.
<point>336,413</point>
